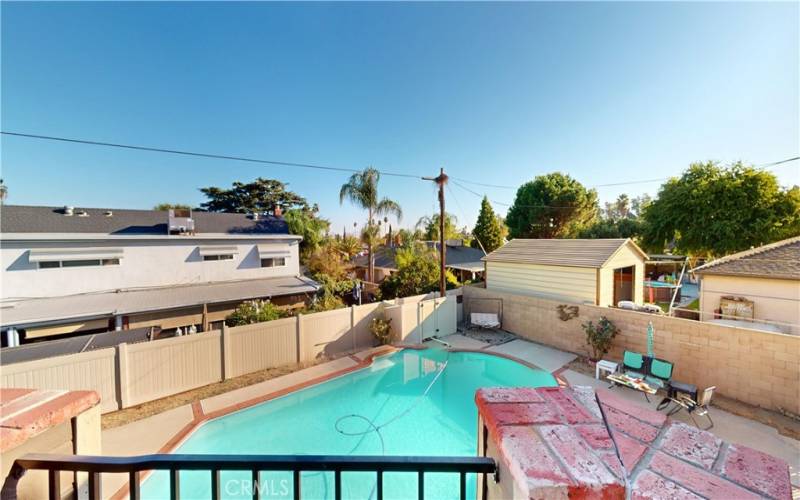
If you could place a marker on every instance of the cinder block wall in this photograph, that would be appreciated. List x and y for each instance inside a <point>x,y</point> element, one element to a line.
<point>759,368</point>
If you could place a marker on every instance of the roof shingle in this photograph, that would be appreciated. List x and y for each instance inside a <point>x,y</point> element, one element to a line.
<point>780,260</point>
<point>559,252</point>
<point>31,219</point>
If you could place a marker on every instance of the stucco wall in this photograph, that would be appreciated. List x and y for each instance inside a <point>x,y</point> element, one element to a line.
<point>574,283</point>
<point>144,264</point>
<point>759,368</point>
<point>774,300</point>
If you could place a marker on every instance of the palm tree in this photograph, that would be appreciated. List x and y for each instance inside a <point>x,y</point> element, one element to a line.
<point>362,190</point>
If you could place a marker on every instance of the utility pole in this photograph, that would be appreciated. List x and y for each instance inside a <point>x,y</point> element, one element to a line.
<point>440,181</point>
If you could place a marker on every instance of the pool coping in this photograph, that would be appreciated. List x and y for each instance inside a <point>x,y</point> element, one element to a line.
<point>200,417</point>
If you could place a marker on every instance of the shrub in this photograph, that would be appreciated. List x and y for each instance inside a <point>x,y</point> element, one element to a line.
<point>381,329</point>
<point>254,311</point>
<point>599,336</point>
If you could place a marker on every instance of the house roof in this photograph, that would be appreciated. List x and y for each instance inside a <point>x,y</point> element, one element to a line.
<point>780,260</point>
<point>106,304</point>
<point>125,222</point>
<point>561,252</point>
<point>458,257</point>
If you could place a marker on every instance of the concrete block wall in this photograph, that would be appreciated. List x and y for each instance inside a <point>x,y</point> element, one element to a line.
<point>760,368</point>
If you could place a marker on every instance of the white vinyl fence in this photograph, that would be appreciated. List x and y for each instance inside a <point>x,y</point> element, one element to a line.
<point>132,374</point>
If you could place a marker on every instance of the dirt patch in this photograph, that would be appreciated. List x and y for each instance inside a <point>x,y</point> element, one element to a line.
<point>785,425</point>
<point>144,410</point>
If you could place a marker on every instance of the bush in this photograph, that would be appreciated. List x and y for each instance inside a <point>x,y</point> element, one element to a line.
<point>417,273</point>
<point>599,336</point>
<point>381,329</point>
<point>254,311</point>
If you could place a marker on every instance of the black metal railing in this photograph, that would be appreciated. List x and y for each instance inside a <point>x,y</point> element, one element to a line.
<point>255,464</point>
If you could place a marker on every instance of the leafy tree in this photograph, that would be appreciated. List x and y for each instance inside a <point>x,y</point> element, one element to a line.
<point>610,228</point>
<point>305,223</point>
<point>163,207</point>
<point>429,225</point>
<point>260,196</point>
<point>417,273</point>
<point>362,190</point>
<point>327,298</point>
<point>349,246</point>
<point>712,211</point>
<point>488,230</point>
<point>551,206</point>
<point>254,311</point>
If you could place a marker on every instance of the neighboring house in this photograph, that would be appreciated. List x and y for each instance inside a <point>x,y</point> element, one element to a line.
<point>67,270</point>
<point>595,271</point>
<point>463,261</point>
<point>761,284</point>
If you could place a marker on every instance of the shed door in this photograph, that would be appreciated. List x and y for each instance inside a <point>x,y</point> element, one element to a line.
<point>623,284</point>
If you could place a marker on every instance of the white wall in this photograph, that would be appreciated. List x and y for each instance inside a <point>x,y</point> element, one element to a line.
<point>625,257</point>
<point>145,263</point>
<point>773,299</point>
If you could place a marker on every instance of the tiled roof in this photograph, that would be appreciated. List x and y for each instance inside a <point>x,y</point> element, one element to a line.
<point>560,252</point>
<point>777,260</point>
<point>31,219</point>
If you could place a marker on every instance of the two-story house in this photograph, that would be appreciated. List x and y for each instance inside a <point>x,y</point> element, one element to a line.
<point>68,270</point>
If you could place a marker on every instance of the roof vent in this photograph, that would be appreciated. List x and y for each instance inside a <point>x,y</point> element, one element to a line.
<point>69,210</point>
<point>108,213</point>
<point>83,213</point>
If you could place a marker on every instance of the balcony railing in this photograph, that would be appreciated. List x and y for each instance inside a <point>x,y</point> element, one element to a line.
<point>255,464</point>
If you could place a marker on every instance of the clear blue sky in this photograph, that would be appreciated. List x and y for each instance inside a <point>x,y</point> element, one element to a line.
<point>496,93</point>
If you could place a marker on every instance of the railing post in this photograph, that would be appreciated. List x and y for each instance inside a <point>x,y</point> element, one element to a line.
<point>225,352</point>
<point>123,377</point>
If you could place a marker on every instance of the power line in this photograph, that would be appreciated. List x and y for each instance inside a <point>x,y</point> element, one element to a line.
<point>625,183</point>
<point>198,154</point>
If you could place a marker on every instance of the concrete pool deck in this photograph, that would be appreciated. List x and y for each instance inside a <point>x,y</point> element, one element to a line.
<point>163,432</point>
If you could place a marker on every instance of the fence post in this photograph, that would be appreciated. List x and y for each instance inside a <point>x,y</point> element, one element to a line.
<point>353,326</point>
<point>123,379</point>
<point>300,339</point>
<point>225,351</point>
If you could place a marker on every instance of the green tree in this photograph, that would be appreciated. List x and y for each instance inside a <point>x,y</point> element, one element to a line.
<point>429,225</point>
<point>349,246</point>
<point>362,190</point>
<point>551,206</point>
<point>260,196</point>
<point>488,230</point>
<point>305,223</point>
<point>712,211</point>
<point>254,311</point>
<point>610,228</point>
<point>417,273</point>
<point>163,207</point>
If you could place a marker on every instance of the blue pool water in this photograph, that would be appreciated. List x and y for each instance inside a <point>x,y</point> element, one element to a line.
<point>423,402</point>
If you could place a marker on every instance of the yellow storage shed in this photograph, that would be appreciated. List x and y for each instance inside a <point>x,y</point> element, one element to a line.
<point>597,271</point>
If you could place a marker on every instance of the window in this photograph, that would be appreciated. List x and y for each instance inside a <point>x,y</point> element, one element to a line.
<point>218,257</point>
<point>52,264</point>
<point>273,262</point>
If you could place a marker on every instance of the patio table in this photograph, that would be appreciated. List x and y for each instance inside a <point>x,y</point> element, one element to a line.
<point>636,384</point>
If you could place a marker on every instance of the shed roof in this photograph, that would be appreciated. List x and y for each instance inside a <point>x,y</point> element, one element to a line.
<point>33,219</point>
<point>779,260</point>
<point>562,252</point>
<point>104,304</point>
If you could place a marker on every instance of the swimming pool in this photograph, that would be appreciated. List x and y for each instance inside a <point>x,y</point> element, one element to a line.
<point>422,401</point>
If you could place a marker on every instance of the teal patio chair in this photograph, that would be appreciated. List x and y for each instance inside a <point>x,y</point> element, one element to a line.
<point>633,365</point>
<point>659,374</point>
